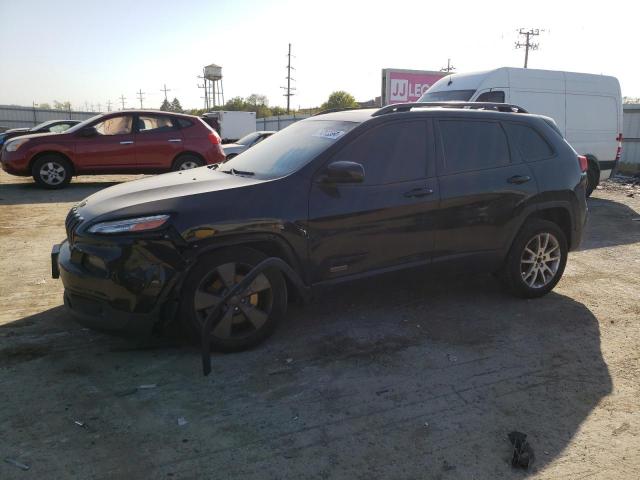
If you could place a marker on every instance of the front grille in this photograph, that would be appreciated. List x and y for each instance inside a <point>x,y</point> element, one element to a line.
<point>72,222</point>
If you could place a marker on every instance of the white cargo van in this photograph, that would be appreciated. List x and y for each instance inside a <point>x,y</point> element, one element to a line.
<point>586,107</point>
<point>231,125</point>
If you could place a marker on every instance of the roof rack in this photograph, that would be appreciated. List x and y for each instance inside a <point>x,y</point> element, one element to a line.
<point>405,107</point>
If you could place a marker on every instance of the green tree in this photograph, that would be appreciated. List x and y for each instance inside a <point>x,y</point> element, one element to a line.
<point>235,104</point>
<point>175,106</point>
<point>257,99</point>
<point>340,99</point>
<point>166,106</point>
<point>278,111</point>
<point>44,106</point>
<point>62,105</point>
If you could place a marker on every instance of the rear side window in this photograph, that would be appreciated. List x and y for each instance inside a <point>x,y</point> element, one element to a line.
<point>390,153</point>
<point>472,145</point>
<point>528,142</point>
<point>154,124</point>
<point>497,96</point>
<point>184,123</point>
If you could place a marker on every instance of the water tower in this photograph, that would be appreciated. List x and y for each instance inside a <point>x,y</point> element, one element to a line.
<point>213,91</point>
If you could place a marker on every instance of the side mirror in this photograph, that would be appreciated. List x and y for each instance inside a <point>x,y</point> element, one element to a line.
<point>343,172</point>
<point>88,132</point>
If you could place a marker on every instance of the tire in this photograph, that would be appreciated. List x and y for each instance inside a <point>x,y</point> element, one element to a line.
<point>231,155</point>
<point>187,162</point>
<point>252,319</point>
<point>593,179</point>
<point>52,171</point>
<point>519,272</point>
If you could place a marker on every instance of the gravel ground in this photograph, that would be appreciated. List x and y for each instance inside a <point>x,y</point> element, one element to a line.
<point>407,376</point>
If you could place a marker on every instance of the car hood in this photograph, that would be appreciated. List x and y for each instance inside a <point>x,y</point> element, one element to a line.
<point>161,192</point>
<point>232,147</point>
<point>39,135</point>
<point>17,130</point>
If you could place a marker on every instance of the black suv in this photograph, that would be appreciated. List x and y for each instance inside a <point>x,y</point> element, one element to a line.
<point>331,198</point>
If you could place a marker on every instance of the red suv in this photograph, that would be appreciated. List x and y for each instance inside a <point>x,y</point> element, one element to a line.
<point>133,141</point>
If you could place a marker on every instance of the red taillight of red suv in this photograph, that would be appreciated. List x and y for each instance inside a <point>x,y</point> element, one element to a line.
<point>584,163</point>
<point>214,138</point>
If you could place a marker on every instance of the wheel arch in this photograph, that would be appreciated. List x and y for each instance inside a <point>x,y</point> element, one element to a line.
<point>39,155</point>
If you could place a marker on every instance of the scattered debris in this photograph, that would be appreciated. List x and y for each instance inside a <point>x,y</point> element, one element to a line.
<point>80,424</point>
<point>278,371</point>
<point>380,392</point>
<point>522,451</point>
<point>426,424</point>
<point>452,358</point>
<point>124,393</point>
<point>289,360</point>
<point>148,386</point>
<point>182,421</point>
<point>42,281</point>
<point>18,464</point>
<point>622,428</point>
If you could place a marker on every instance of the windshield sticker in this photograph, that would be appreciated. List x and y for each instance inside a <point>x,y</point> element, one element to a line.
<point>330,133</point>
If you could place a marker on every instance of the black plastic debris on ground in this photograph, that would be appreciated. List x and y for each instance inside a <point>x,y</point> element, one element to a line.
<point>522,452</point>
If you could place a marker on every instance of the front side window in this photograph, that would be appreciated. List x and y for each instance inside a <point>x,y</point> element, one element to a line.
<point>529,143</point>
<point>115,126</point>
<point>496,96</point>
<point>154,124</point>
<point>473,145</point>
<point>59,128</point>
<point>390,153</point>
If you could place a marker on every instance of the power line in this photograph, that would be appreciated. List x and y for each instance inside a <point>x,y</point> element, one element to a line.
<point>122,99</point>
<point>165,90</point>
<point>449,67</point>
<point>528,44</point>
<point>140,95</point>
<point>289,88</point>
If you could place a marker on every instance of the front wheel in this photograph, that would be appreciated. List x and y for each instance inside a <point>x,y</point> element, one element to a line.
<point>246,320</point>
<point>52,171</point>
<point>536,260</point>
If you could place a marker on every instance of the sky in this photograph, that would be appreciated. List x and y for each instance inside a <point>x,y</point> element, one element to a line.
<point>92,52</point>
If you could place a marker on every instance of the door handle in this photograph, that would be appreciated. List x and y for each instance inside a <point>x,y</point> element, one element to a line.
<point>127,142</point>
<point>519,179</point>
<point>174,140</point>
<point>418,192</point>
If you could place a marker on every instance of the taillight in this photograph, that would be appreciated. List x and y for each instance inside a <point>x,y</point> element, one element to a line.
<point>584,163</point>
<point>214,138</point>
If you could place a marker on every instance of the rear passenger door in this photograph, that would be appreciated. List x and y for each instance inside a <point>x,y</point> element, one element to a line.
<point>483,188</point>
<point>386,220</point>
<point>158,141</point>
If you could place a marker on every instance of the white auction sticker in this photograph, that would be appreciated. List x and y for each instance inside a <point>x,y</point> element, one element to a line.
<point>330,133</point>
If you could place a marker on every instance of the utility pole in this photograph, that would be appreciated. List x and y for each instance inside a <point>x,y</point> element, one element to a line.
<point>449,67</point>
<point>108,105</point>
<point>122,99</point>
<point>528,44</point>
<point>288,88</point>
<point>165,90</point>
<point>205,86</point>
<point>99,107</point>
<point>140,95</point>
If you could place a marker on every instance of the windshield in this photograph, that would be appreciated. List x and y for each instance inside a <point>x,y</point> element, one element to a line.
<point>82,124</point>
<point>248,139</point>
<point>288,150</point>
<point>40,125</point>
<point>447,95</point>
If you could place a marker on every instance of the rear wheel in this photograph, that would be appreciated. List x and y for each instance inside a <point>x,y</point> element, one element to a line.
<point>52,171</point>
<point>187,162</point>
<point>536,260</point>
<point>246,320</point>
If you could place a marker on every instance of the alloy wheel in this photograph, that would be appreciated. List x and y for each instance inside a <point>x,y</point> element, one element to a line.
<point>52,173</point>
<point>188,165</point>
<point>242,315</point>
<point>540,260</point>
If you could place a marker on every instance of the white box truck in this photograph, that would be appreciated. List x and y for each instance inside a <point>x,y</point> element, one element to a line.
<point>587,108</point>
<point>231,125</point>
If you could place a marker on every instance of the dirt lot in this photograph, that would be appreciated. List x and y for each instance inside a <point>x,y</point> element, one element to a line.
<point>404,377</point>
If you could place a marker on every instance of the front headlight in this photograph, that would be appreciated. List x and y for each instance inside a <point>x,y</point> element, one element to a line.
<point>13,145</point>
<point>139,224</point>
